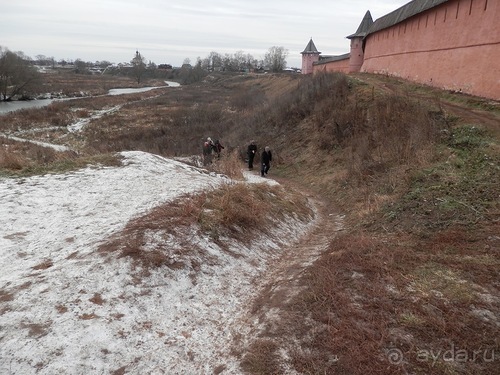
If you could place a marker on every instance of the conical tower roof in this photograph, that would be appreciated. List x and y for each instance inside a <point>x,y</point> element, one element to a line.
<point>364,27</point>
<point>310,48</point>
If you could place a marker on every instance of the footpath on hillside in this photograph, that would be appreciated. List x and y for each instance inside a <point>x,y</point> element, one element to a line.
<point>277,287</point>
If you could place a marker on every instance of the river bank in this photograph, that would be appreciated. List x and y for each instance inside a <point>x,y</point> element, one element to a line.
<point>46,99</point>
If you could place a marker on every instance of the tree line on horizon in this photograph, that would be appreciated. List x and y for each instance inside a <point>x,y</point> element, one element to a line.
<point>18,71</point>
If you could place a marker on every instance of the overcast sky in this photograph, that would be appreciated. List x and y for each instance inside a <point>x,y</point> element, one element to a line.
<point>171,31</point>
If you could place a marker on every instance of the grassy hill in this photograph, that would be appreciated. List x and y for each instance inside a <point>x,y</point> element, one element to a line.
<point>411,285</point>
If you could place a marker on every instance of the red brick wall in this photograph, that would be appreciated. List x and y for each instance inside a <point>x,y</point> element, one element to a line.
<point>454,46</point>
<point>307,62</point>
<point>357,55</point>
<point>334,66</point>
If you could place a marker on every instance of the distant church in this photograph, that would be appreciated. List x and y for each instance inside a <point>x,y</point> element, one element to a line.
<point>450,44</point>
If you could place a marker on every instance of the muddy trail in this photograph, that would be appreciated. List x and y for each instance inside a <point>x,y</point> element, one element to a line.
<point>466,108</point>
<point>283,280</point>
<point>282,283</point>
<point>276,290</point>
<point>262,328</point>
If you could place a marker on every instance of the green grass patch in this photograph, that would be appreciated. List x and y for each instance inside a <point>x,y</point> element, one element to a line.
<point>461,188</point>
<point>435,280</point>
<point>63,165</point>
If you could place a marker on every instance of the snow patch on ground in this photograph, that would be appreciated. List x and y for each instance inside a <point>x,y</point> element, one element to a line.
<point>59,148</point>
<point>67,309</point>
<point>81,123</point>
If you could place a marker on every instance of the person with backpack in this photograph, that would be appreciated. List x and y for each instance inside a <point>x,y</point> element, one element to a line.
<point>251,151</point>
<point>265,160</point>
<point>218,147</point>
<point>208,148</point>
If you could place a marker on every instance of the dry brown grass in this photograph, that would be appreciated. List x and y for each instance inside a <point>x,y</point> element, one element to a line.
<point>11,160</point>
<point>233,211</point>
<point>77,85</point>
<point>61,309</point>
<point>47,263</point>
<point>24,158</point>
<point>414,274</point>
<point>169,122</point>
<point>97,299</point>
<point>262,359</point>
<point>6,296</point>
<point>229,163</point>
<point>37,330</point>
<point>121,371</point>
<point>86,316</point>
<point>370,298</point>
<point>417,269</point>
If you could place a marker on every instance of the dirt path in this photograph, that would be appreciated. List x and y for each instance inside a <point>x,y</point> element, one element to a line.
<point>282,283</point>
<point>263,322</point>
<point>486,119</point>
<point>468,114</point>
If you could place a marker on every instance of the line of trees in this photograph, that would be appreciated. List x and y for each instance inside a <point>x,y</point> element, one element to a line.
<point>274,60</point>
<point>17,74</point>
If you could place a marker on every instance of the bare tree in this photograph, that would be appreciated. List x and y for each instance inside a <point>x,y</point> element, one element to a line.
<point>138,66</point>
<point>152,65</point>
<point>41,59</point>
<point>240,60</point>
<point>17,74</point>
<point>80,66</point>
<point>275,58</point>
<point>212,62</point>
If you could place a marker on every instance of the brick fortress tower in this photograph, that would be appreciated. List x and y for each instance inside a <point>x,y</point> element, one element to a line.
<point>309,56</point>
<point>357,48</point>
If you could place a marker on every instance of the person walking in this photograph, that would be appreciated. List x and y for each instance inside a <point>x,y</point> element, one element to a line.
<point>251,151</point>
<point>218,147</point>
<point>265,160</point>
<point>208,147</point>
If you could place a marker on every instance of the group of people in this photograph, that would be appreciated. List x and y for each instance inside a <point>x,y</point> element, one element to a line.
<point>211,148</point>
<point>265,158</point>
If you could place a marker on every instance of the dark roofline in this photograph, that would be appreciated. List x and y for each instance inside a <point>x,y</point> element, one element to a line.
<point>363,27</point>
<point>368,27</point>
<point>328,59</point>
<point>310,48</point>
<point>406,11</point>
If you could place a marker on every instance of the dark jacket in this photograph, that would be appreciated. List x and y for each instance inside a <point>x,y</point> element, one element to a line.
<point>266,157</point>
<point>218,147</point>
<point>252,149</point>
<point>208,147</point>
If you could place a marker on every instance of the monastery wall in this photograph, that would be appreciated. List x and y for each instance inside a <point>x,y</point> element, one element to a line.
<point>307,63</point>
<point>333,66</point>
<point>455,46</point>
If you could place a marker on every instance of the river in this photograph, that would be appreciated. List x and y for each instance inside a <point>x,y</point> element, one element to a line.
<point>6,107</point>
